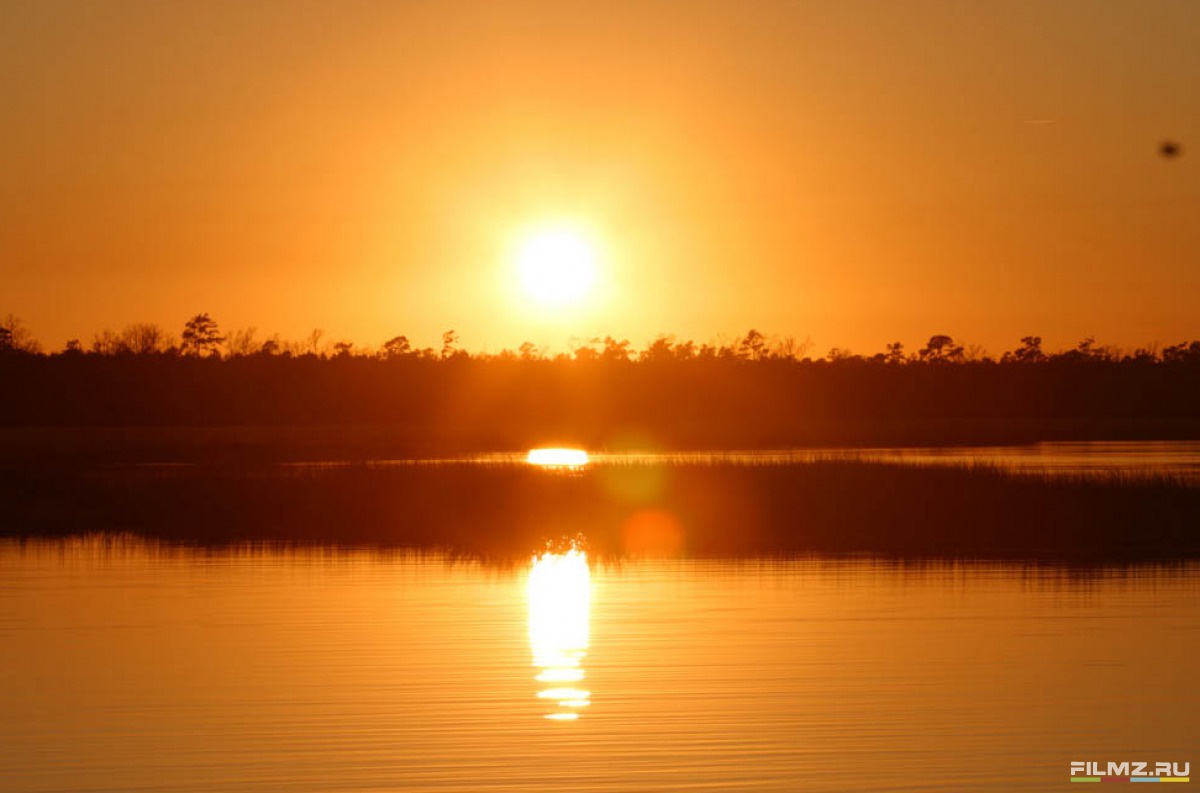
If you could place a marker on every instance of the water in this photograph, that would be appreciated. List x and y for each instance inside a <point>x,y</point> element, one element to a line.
<point>1077,458</point>
<point>136,667</point>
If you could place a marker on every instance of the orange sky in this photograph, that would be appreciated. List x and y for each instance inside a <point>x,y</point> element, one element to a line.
<point>857,172</point>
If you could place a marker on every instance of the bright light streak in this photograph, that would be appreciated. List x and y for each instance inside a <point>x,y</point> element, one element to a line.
<point>557,458</point>
<point>559,592</point>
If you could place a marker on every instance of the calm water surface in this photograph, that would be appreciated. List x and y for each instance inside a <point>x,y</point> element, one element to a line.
<point>1127,458</point>
<point>126,667</point>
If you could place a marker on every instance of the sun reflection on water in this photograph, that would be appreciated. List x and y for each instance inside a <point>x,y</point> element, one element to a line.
<point>557,458</point>
<point>559,592</point>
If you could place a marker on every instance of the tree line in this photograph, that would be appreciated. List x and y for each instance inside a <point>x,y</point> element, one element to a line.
<point>754,391</point>
<point>202,337</point>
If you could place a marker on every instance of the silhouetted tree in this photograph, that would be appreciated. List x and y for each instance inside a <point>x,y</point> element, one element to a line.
<point>684,351</point>
<point>753,347</point>
<point>1086,347</point>
<point>895,353</point>
<point>939,348</point>
<point>106,343</point>
<point>241,342</point>
<point>661,349</point>
<point>1030,351</point>
<point>1144,355</point>
<point>342,349</point>
<point>788,349</point>
<point>449,344</point>
<point>615,350</point>
<point>396,347</point>
<point>141,338</point>
<point>528,351</point>
<point>14,337</point>
<point>586,352</point>
<point>974,353</point>
<point>314,341</point>
<point>201,336</point>
<point>1087,350</point>
<point>1182,353</point>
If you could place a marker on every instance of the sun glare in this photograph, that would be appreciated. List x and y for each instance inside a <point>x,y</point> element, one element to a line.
<point>557,458</point>
<point>556,268</point>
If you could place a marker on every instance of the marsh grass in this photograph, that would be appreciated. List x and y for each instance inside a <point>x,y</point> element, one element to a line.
<point>827,506</point>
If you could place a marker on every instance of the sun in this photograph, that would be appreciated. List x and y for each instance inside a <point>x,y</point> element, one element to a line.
<point>556,268</point>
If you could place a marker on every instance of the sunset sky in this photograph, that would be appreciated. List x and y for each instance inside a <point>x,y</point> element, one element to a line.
<point>853,172</point>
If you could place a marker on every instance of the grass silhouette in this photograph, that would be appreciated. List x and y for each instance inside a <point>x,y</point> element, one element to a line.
<point>699,509</point>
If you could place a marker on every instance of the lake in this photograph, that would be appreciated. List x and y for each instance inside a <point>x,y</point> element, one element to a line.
<point>135,666</point>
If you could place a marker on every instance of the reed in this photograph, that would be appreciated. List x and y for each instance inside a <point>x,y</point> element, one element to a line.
<point>503,510</point>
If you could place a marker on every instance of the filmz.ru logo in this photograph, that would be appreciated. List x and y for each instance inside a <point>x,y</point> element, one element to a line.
<point>1129,771</point>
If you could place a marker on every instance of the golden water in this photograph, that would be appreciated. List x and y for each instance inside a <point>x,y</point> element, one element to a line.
<point>132,667</point>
